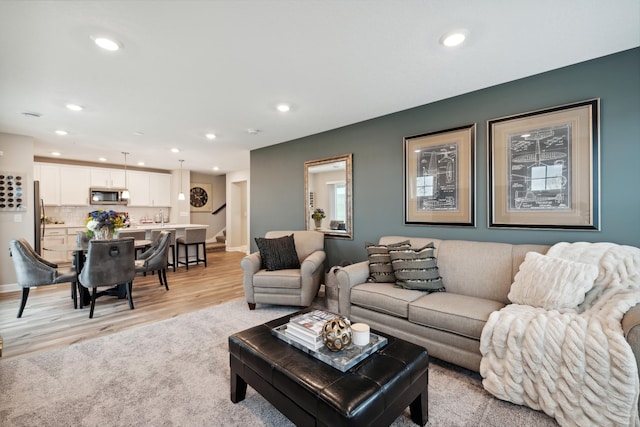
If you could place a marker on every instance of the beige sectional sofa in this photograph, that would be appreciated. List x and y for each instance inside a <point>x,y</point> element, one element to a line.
<point>477,277</point>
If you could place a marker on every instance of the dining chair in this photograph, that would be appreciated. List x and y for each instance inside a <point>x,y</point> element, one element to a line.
<point>193,237</point>
<point>155,258</point>
<point>172,245</point>
<point>109,263</point>
<point>32,270</point>
<point>136,234</point>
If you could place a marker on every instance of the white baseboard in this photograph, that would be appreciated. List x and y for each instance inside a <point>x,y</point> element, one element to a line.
<point>238,249</point>
<point>9,287</point>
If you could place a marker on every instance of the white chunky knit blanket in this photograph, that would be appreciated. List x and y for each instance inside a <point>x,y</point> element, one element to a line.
<point>575,365</point>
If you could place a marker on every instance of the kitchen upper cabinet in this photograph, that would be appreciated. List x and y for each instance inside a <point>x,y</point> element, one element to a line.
<point>160,189</point>
<point>107,178</point>
<point>74,190</point>
<point>138,186</point>
<point>49,177</point>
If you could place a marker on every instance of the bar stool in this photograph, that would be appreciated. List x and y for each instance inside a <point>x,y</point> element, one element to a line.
<point>193,237</point>
<point>136,234</point>
<point>172,245</point>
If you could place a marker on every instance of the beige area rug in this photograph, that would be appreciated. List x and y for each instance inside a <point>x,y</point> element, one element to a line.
<point>176,373</point>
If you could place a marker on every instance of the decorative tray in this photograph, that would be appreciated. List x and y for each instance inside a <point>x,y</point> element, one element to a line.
<point>342,360</point>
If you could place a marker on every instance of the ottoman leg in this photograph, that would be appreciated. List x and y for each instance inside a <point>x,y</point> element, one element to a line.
<point>238,385</point>
<point>420,409</point>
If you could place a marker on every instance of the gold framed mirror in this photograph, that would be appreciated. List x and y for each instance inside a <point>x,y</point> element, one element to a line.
<point>328,196</point>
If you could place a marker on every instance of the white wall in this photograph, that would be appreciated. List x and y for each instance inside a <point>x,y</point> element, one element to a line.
<point>216,223</point>
<point>17,156</point>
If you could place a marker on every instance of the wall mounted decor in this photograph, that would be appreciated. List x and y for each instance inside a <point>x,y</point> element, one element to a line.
<point>544,168</point>
<point>439,177</point>
<point>12,192</point>
<point>200,197</point>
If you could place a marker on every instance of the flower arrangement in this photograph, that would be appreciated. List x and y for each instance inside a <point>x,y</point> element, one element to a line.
<point>318,214</point>
<point>105,222</point>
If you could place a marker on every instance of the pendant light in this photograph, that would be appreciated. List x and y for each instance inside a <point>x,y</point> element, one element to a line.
<point>181,193</point>
<point>125,193</point>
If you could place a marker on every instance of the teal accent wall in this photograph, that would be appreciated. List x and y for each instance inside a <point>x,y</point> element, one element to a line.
<point>277,182</point>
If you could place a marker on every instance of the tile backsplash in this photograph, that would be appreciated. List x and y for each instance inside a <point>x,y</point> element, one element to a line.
<point>77,215</point>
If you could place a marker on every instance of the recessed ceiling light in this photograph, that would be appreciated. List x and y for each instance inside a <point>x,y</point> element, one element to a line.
<point>61,132</point>
<point>107,43</point>
<point>215,168</point>
<point>102,159</point>
<point>252,131</point>
<point>454,38</point>
<point>283,108</point>
<point>175,150</point>
<point>74,107</point>
<point>138,133</point>
<point>211,136</point>
<point>140,163</point>
<point>55,153</point>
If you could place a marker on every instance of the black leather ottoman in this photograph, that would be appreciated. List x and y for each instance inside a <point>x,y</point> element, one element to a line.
<point>311,393</point>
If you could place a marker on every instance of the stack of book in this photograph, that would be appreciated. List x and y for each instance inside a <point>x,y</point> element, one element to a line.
<point>306,328</point>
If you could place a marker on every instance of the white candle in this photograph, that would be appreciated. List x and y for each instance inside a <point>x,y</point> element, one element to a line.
<point>360,333</point>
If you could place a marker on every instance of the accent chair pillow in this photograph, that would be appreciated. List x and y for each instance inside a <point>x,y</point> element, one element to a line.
<point>416,269</point>
<point>380,269</point>
<point>552,283</point>
<point>279,253</point>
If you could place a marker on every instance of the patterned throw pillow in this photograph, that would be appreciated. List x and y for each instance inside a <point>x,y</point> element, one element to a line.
<point>417,269</point>
<point>279,253</point>
<point>380,269</point>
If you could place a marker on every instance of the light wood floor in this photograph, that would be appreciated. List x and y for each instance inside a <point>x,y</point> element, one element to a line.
<point>49,320</point>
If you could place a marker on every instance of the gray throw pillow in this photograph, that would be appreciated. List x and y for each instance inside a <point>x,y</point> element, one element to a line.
<point>380,269</point>
<point>416,269</point>
<point>279,253</point>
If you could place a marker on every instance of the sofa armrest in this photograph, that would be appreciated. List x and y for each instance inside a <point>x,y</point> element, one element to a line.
<point>348,277</point>
<point>250,265</point>
<point>311,263</point>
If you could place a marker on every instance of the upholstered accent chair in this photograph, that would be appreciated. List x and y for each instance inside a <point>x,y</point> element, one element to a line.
<point>32,270</point>
<point>109,263</point>
<point>287,286</point>
<point>155,258</point>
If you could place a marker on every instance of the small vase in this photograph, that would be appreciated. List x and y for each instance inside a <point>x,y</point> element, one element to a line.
<point>318,223</point>
<point>103,233</point>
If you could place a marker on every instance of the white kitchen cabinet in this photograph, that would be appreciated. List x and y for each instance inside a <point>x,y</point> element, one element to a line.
<point>74,185</point>
<point>49,177</point>
<point>107,178</point>
<point>55,238</point>
<point>138,185</point>
<point>160,189</point>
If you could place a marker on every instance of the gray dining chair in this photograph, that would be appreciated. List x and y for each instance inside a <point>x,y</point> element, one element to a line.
<point>32,270</point>
<point>155,258</point>
<point>121,233</point>
<point>172,245</point>
<point>109,263</point>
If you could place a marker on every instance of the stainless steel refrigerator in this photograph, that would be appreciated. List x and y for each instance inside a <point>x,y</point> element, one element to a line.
<point>38,222</point>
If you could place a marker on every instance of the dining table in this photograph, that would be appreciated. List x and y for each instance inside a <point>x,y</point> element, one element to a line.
<point>79,249</point>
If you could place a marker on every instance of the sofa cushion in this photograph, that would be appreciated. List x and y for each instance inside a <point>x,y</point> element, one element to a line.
<point>416,269</point>
<point>458,314</point>
<point>278,253</point>
<point>380,269</point>
<point>552,283</point>
<point>384,297</point>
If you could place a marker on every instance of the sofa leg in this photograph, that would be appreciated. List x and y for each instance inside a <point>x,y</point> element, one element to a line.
<point>252,305</point>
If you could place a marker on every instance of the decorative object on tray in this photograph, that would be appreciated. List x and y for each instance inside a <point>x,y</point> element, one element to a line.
<point>360,334</point>
<point>341,360</point>
<point>101,224</point>
<point>336,333</point>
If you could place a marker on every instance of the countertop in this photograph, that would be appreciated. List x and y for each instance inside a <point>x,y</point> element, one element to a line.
<point>151,226</point>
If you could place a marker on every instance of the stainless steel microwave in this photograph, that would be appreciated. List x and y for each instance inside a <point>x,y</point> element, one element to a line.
<point>106,196</point>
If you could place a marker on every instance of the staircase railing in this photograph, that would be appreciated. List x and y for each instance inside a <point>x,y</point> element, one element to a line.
<point>219,209</point>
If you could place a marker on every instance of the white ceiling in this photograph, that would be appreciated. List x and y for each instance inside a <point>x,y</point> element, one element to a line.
<point>192,67</point>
